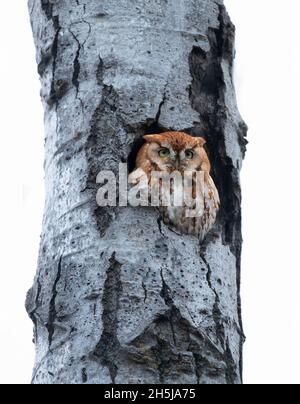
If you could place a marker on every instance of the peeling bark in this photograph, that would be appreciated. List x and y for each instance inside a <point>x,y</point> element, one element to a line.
<point>118,297</point>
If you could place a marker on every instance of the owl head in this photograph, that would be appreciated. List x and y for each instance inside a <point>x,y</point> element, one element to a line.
<point>173,151</point>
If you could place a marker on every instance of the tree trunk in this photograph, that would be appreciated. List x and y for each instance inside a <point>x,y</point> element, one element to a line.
<point>118,297</point>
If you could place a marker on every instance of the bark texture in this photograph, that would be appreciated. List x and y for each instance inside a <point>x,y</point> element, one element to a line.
<point>118,298</point>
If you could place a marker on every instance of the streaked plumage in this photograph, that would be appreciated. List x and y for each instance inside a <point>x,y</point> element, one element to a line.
<point>178,152</point>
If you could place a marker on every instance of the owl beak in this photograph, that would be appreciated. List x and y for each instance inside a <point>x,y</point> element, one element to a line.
<point>177,163</point>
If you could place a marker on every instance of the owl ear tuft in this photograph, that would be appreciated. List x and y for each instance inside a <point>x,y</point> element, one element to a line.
<point>153,138</point>
<point>201,141</point>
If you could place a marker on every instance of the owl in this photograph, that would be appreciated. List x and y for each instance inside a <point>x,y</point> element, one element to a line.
<point>177,152</point>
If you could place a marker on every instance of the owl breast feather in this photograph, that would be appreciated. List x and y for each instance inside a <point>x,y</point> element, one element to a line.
<point>196,220</point>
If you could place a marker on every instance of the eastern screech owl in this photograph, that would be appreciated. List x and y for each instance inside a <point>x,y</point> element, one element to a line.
<point>178,152</point>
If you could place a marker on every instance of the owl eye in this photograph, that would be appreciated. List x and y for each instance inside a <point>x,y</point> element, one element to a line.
<point>164,152</point>
<point>189,154</point>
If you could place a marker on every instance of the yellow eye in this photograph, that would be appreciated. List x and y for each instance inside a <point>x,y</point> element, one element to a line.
<point>164,152</point>
<point>189,154</point>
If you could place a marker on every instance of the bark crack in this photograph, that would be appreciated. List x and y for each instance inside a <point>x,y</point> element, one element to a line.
<point>57,89</point>
<point>54,92</point>
<point>145,291</point>
<point>76,65</point>
<point>32,304</point>
<point>166,295</point>
<point>84,375</point>
<point>231,368</point>
<point>162,355</point>
<point>166,291</point>
<point>81,4</point>
<point>164,99</point>
<point>200,363</point>
<point>100,72</point>
<point>144,286</point>
<point>47,7</point>
<point>190,314</point>
<point>37,368</point>
<point>108,348</point>
<point>77,69</point>
<point>52,306</point>
<point>217,314</point>
<point>34,316</point>
<point>160,222</point>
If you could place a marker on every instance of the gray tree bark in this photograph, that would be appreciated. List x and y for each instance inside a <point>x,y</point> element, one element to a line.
<point>119,298</point>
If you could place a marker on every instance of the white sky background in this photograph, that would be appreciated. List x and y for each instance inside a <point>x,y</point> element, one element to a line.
<point>268,88</point>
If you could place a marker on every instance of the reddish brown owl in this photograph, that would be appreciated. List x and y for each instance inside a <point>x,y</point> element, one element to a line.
<point>177,152</point>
